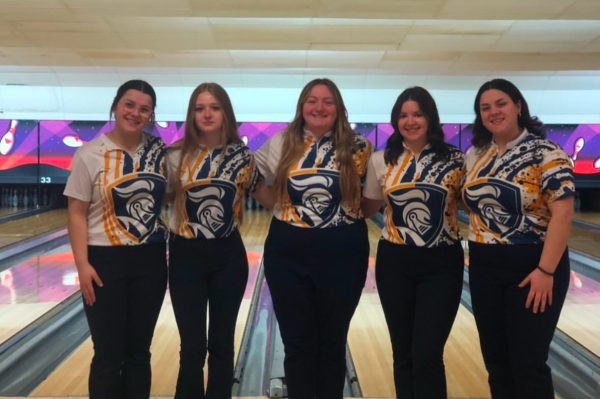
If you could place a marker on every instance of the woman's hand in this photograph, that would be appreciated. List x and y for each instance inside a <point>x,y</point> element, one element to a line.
<point>540,290</point>
<point>87,278</point>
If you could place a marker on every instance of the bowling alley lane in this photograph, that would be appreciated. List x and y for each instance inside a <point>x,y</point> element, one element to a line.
<point>9,211</point>
<point>589,217</point>
<point>28,227</point>
<point>580,317</point>
<point>32,287</point>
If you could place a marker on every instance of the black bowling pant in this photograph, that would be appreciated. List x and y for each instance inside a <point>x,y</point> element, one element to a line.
<point>514,341</point>
<point>315,277</point>
<point>123,318</point>
<point>202,272</point>
<point>420,291</point>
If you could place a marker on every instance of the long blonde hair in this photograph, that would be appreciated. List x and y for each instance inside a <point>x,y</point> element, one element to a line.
<point>191,138</point>
<point>343,141</point>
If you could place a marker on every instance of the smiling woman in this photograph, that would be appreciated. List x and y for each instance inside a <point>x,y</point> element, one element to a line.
<point>419,262</point>
<point>115,191</point>
<point>519,190</point>
<point>317,249</point>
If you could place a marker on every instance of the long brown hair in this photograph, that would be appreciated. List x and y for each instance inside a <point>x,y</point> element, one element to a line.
<point>343,141</point>
<point>191,137</point>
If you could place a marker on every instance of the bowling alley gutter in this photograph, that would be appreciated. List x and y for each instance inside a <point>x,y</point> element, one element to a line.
<point>28,357</point>
<point>37,244</point>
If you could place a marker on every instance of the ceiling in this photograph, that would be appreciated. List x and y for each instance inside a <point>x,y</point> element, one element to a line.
<point>281,43</point>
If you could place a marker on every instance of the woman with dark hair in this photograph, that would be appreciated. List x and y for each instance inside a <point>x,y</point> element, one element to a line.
<point>316,253</point>
<point>419,264</point>
<point>115,191</point>
<point>519,190</point>
<point>210,171</point>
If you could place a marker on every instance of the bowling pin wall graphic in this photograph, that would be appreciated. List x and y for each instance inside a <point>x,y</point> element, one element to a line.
<point>579,144</point>
<point>72,140</point>
<point>8,139</point>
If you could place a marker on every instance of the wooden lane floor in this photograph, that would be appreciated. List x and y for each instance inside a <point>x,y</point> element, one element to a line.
<point>588,217</point>
<point>32,287</point>
<point>71,377</point>
<point>31,226</point>
<point>10,210</point>
<point>586,241</point>
<point>580,316</point>
<point>372,353</point>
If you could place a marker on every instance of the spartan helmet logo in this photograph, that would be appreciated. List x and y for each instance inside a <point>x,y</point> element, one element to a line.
<point>418,212</point>
<point>137,202</point>
<point>210,207</point>
<point>317,194</point>
<point>498,202</point>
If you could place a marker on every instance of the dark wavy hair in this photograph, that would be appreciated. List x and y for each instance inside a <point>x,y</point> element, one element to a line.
<point>482,136</point>
<point>435,134</point>
<point>139,85</point>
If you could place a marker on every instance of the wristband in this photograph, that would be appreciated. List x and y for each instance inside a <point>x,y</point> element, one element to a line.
<point>544,271</point>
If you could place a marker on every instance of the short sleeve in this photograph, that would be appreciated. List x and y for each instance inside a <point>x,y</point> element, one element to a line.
<point>461,170</point>
<point>79,184</point>
<point>267,158</point>
<point>172,157</point>
<point>373,188</point>
<point>254,177</point>
<point>362,155</point>
<point>557,175</point>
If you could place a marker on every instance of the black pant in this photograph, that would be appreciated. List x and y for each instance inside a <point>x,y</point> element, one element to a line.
<point>123,318</point>
<point>315,277</point>
<point>420,292</point>
<point>514,341</point>
<point>203,271</point>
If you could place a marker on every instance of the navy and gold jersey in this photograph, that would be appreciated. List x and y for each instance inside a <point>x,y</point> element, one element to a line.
<point>313,186</point>
<point>508,194</point>
<point>215,183</point>
<point>125,192</point>
<point>421,195</point>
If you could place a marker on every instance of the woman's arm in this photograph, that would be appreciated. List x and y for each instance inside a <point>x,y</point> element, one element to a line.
<point>264,195</point>
<point>78,236</point>
<point>370,207</point>
<point>557,235</point>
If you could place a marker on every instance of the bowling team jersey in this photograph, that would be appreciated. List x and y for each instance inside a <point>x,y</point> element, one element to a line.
<point>421,193</point>
<point>508,194</point>
<point>215,183</point>
<point>313,186</point>
<point>125,193</point>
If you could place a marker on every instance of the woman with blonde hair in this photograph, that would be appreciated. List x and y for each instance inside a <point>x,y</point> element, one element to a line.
<point>316,253</point>
<point>210,172</point>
